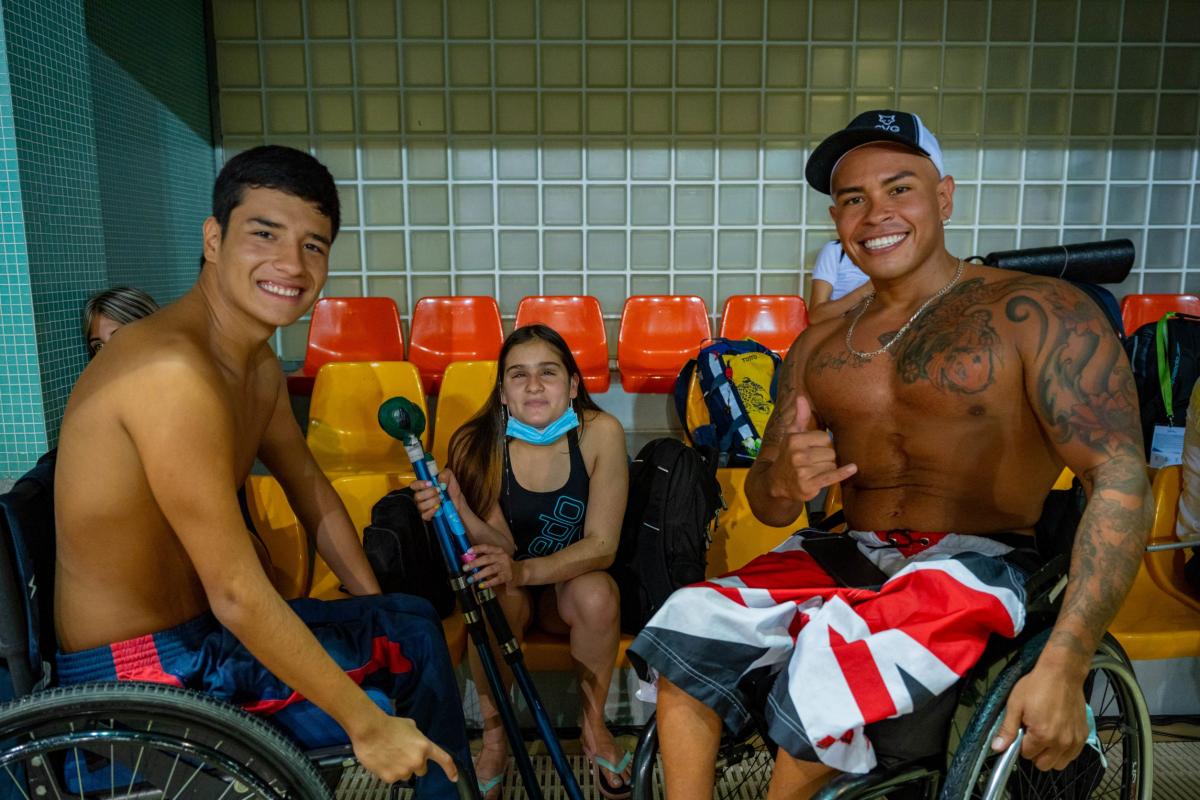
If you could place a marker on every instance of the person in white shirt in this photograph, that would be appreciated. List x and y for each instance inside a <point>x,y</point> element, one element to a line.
<point>838,285</point>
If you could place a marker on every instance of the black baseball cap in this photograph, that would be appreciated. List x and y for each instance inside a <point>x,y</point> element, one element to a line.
<point>871,126</point>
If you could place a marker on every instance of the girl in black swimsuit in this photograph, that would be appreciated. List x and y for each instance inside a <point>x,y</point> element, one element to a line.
<point>544,478</point>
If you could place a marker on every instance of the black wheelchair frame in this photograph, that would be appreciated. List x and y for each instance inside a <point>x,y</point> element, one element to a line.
<point>126,739</point>
<point>967,769</point>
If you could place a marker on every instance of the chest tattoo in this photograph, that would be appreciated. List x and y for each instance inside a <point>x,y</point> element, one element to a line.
<point>956,348</point>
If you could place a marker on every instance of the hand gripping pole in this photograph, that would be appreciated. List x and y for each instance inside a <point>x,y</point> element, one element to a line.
<point>404,421</point>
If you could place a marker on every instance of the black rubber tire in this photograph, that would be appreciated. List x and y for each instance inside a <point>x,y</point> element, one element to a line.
<point>177,719</point>
<point>973,759</point>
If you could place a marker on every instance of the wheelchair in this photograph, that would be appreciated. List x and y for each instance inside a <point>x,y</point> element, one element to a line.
<point>966,768</point>
<point>127,739</point>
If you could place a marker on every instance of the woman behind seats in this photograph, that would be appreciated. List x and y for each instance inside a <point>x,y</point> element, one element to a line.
<point>540,478</point>
<point>106,311</point>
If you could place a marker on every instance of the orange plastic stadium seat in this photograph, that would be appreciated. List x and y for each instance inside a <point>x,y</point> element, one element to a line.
<point>579,320</point>
<point>774,320</point>
<point>349,329</point>
<point>546,652</point>
<point>659,333</point>
<point>447,329</point>
<point>343,426</point>
<point>1138,309</point>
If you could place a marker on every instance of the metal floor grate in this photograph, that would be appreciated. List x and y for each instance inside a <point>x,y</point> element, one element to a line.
<point>1176,777</point>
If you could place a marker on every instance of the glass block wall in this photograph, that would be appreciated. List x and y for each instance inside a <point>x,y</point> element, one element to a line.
<point>108,166</point>
<point>154,142</point>
<point>616,147</point>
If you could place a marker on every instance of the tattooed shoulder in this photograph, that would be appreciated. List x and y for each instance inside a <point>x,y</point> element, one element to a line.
<point>1084,390</point>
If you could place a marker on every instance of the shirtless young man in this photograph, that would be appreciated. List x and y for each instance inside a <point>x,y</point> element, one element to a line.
<point>161,430</point>
<point>954,397</point>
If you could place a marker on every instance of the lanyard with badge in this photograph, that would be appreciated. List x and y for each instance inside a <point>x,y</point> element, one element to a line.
<point>1166,447</point>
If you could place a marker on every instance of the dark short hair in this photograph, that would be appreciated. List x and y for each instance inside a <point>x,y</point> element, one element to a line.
<point>284,169</point>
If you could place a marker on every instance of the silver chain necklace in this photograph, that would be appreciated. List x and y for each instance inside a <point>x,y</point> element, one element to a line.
<point>904,328</point>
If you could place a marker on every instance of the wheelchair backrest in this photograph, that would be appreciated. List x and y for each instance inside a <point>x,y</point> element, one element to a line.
<point>27,576</point>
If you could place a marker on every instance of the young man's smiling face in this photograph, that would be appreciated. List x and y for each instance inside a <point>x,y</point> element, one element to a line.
<point>889,206</point>
<point>274,256</point>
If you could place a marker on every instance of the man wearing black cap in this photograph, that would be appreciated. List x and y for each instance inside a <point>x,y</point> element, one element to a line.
<point>953,396</point>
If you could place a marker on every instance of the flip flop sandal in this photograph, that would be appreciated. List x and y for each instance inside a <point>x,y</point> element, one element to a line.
<point>485,787</point>
<point>622,791</point>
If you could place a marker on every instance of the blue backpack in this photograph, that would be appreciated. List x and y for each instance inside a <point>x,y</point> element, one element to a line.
<point>737,379</point>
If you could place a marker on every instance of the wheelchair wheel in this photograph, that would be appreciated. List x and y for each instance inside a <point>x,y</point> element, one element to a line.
<point>1122,769</point>
<point>743,767</point>
<point>126,740</point>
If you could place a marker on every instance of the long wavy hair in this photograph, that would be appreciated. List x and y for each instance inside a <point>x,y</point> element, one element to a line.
<point>477,448</point>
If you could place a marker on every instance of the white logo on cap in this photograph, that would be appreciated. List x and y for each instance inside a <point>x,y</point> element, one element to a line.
<point>888,123</point>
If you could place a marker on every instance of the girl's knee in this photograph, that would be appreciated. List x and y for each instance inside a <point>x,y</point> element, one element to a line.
<point>594,602</point>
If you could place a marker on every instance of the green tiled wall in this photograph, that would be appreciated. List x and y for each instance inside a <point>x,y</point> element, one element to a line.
<point>614,147</point>
<point>21,423</point>
<point>60,202</point>
<point>153,128</point>
<point>112,165</point>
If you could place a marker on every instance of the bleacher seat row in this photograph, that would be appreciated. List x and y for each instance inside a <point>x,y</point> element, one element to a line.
<point>658,333</point>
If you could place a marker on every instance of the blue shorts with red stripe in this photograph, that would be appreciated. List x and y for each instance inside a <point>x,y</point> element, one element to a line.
<point>391,645</point>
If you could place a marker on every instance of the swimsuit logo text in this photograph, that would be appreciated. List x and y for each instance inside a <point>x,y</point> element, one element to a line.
<point>559,528</point>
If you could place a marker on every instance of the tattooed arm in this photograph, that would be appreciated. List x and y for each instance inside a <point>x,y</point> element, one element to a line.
<point>797,459</point>
<point>1079,384</point>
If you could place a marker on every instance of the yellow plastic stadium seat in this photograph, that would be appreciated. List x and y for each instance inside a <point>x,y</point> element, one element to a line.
<point>1159,618</point>
<point>285,541</point>
<point>343,428</point>
<point>466,386</point>
<point>696,412</point>
<point>740,536</point>
<point>1065,479</point>
<point>359,493</point>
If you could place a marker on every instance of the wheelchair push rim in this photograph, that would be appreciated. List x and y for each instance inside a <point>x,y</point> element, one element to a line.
<point>129,740</point>
<point>1123,728</point>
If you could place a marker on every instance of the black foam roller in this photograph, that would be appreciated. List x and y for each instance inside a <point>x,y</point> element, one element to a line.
<point>1094,262</point>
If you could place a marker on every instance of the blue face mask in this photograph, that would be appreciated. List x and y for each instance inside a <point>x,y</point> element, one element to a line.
<point>542,436</point>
